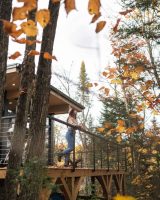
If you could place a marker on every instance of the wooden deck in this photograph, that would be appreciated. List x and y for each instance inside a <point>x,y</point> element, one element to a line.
<point>71,181</point>
<point>55,172</point>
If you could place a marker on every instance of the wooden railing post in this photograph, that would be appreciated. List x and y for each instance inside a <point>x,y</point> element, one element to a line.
<point>108,164</point>
<point>50,141</point>
<point>74,153</point>
<point>118,157</point>
<point>94,154</point>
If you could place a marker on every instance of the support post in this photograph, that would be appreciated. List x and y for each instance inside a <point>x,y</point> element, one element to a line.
<point>74,155</point>
<point>94,154</point>
<point>50,141</point>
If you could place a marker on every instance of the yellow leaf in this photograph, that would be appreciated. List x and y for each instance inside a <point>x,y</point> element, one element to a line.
<point>100,26</point>
<point>89,85</point>
<point>19,13</point>
<point>155,112</point>
<point>141,126</point>
<point>134,75</point>
<point>100,129</point>
<point>29,28</point>
<point>43,17</point>
<point>94,7</point>
<point>120,129</point>
<point>116,81</point>
<point>15,55</point>
<point>120,197</point>
<point>118,138</point>
<point>48,56</point>
<point>69,5</point>
<point>33,53</point>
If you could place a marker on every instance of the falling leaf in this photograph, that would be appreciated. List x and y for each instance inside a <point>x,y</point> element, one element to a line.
<point>69,5</point>
<point>15,55</point>
<point>19,13</point>
<point>29,28</point>
<point>48,56</point>
<point>100,26</point>
<point>125,12</point>
<point>43,17</point>
<point>115,28</point>
<point>33,53</point>
<point>94,7</point>
<point>95,17</point>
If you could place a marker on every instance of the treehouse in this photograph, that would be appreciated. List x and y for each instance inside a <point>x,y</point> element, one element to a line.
<point>104,163</point>
<point>58,102</point>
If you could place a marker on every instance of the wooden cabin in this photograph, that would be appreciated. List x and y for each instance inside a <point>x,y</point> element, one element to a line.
<point>58,101</point>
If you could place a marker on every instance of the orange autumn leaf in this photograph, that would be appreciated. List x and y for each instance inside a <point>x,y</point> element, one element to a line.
<point>104,73</point>
<point>100,26</point>
<point>121,122</point>
<point>69,5</point>
<point>95,84</point>
<point>95,17</point>
<point>29,28</point>
<point>100,129</point>
<point>16,33</point>
<point>33,53</point>
<point>115,28</point>
<point>30,4</point>
<point>56,1</point>
<point>130,130</point>
<point>108,125</point>
<point>19,13</point>
<point>48,56</point>
<point>24,41</point>
<point>43,17</point>
<point>118,138</point>
<point>9,27</point>
<point>94,7</point>
<point>15,55</point>
<point>120,129</point>
<point>106,90</point>
<point>125,12</point>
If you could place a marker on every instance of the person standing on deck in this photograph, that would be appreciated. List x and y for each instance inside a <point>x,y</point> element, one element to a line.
<point>70,135</point>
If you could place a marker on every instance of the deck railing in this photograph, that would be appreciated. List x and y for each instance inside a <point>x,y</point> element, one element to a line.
<point>98,154</point>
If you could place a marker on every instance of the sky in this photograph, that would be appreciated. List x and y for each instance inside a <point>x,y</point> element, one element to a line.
<point>76,41</point>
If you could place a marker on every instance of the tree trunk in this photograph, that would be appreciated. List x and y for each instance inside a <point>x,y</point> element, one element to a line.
<point>5,13</point>
<point>40,111</point>
<point>18,140</point>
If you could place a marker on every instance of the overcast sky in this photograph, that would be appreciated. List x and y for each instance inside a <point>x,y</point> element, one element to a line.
<point>76,40</point>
